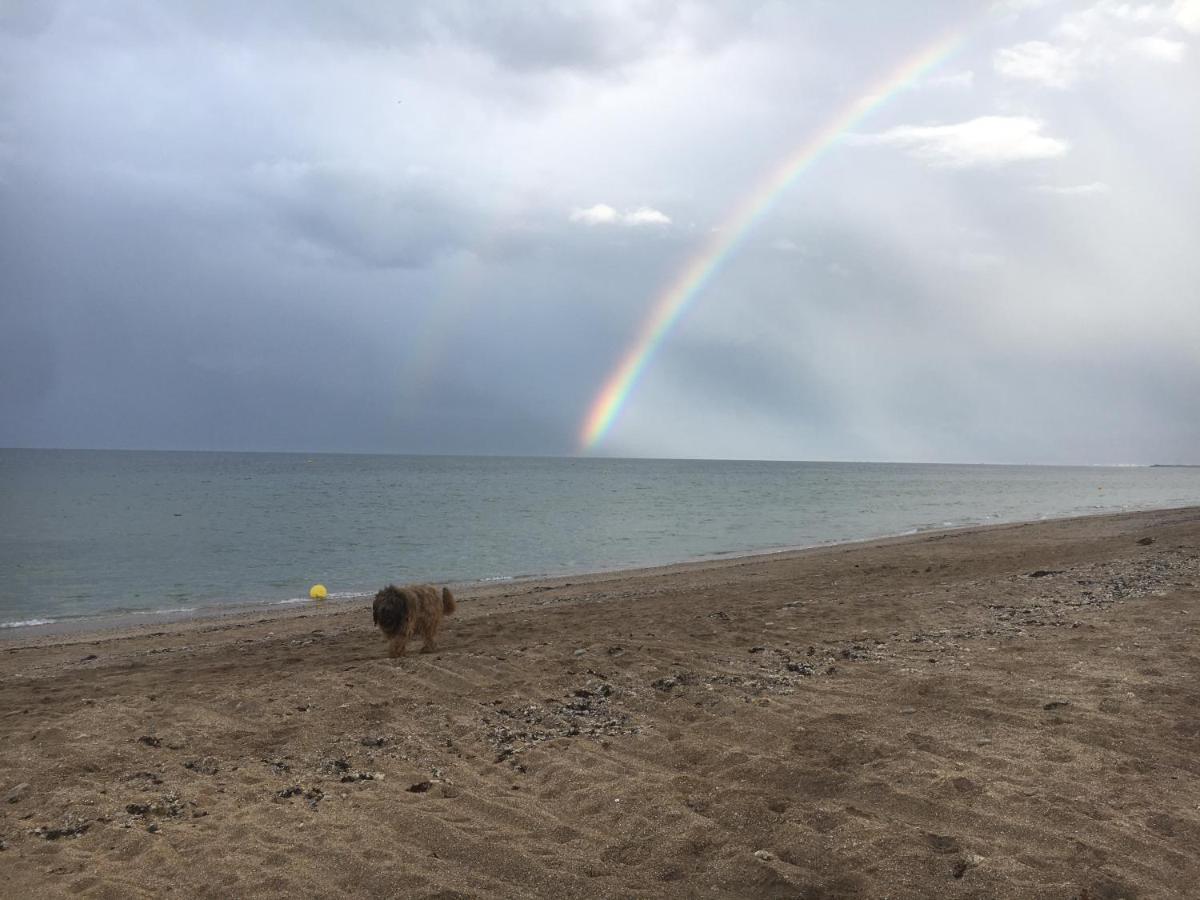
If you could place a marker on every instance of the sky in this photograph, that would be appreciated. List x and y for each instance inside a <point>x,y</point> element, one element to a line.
<point>442,226</point>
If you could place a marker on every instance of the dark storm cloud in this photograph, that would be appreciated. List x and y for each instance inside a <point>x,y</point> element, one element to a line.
<point>150,340</point>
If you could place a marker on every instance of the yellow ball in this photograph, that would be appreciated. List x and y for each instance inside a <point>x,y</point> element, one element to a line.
<point>317,592</point>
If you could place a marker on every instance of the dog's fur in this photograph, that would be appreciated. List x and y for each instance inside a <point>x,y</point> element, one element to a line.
<point>400,612</point>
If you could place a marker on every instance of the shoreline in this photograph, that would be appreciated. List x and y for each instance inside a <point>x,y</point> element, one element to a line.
<point>115,626</point>
<point>1001,711</point>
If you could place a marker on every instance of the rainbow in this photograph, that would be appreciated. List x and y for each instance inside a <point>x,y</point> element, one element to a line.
<point>699,271</point>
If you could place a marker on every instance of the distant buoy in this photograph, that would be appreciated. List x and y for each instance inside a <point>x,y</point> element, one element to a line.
<point>318,592</point>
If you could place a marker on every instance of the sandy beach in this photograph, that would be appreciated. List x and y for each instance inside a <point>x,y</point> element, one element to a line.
<point>1011,711</point>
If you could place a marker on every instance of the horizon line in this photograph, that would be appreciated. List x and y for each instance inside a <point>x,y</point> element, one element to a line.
<point>601,458</point>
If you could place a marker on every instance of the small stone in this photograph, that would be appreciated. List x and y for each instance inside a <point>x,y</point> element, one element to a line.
<point>152,828</point>
<point>942,843</point>
<point>1146,541</point>
<point>72,827</point>
<point>764,855</point>
<point>1056,704</point>
<point>18,793</point>
<point>420,787</point>
<point>205,766</point>
<point>580,652</point>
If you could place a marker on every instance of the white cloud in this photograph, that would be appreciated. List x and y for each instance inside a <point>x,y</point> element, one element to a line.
<point>1160,48</point>
<point>1050,64</point>
<point>983,142</point>
<point>1129,12</point>
<point>1108,22</point>
<point>1186,14</point>
<point>1074,190</point>
<point>600,214</point>
<point>645,215</point>
<point>603,214</point>
<point>1090,38</point>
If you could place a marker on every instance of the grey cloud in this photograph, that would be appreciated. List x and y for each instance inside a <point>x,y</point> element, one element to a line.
<point>363,215</point>
<point>26,18</point>
<point>554,35</point>
<point>522,35</point>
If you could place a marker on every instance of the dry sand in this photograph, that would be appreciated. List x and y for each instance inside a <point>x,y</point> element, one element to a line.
<point>1004,712</point>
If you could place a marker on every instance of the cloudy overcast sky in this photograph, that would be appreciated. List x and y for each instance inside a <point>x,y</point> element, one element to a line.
<point>436,227</point>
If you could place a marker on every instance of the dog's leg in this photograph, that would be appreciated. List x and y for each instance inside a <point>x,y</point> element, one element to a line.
<point>430,644</point>
<point>398,643</point>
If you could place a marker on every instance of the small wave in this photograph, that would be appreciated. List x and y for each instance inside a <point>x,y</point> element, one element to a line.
<point>497,578</point>
<point>26,623</point>
<point>332,595</point>
<point>163,612</point>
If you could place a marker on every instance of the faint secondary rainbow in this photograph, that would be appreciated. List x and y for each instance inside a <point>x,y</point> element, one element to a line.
<point>692,278</point>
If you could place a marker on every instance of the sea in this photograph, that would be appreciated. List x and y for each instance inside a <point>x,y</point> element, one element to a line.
<point>146,536</point>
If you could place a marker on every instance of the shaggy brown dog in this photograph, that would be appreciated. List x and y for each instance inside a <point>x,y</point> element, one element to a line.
<point>400,612</point>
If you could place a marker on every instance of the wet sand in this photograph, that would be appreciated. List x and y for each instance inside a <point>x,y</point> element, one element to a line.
<point>1003,712</point>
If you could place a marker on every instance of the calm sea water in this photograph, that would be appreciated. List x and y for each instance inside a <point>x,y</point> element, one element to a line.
<point>85,533</point>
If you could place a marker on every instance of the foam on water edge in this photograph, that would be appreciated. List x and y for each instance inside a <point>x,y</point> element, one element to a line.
<point>332,595</point>
<point>162,612</point>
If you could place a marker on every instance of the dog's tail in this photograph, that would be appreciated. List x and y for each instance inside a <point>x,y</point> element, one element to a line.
<point>448,604</point>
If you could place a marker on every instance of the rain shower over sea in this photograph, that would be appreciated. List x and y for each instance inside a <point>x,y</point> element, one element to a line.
<point>86,534</point>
